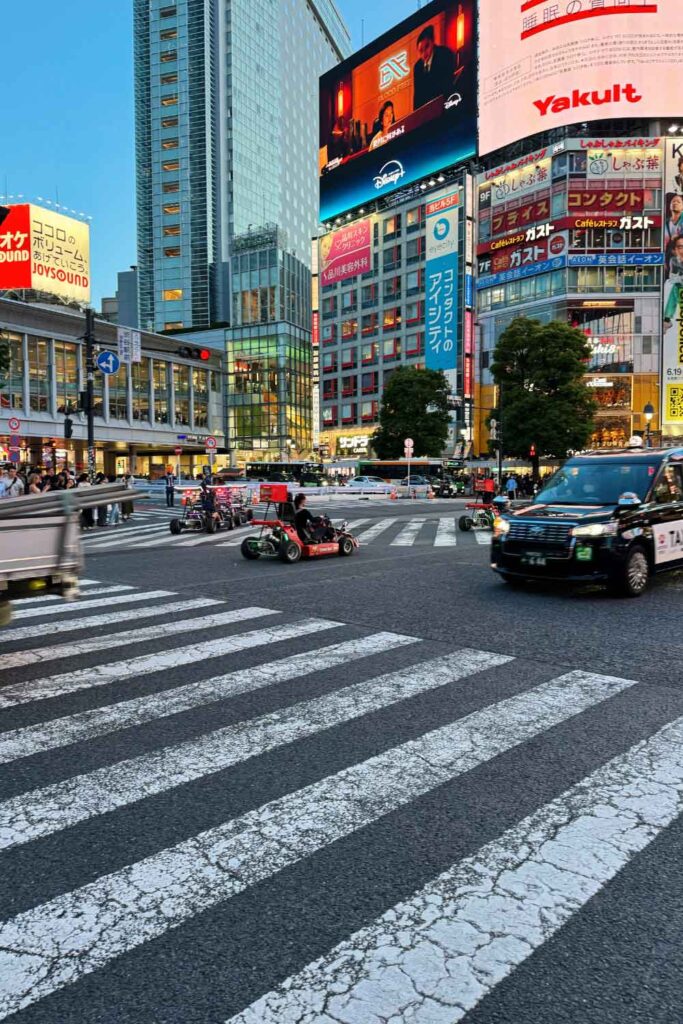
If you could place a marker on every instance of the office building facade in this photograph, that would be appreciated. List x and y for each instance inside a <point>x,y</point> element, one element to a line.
<point>226,130</point>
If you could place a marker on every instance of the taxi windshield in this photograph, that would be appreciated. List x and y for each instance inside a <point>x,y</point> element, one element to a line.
<point>597,483</point>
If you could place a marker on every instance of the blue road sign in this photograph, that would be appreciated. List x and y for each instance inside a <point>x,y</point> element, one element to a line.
<point>15,456</point>
<point>108,362</point>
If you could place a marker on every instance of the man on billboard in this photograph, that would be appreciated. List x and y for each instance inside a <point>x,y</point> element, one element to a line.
<point>433,72</point>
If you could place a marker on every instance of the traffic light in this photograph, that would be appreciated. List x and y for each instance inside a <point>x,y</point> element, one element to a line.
<point>68,428</point>
<point>532,451</point>
<point>188,352</point>
<point>83,401</point>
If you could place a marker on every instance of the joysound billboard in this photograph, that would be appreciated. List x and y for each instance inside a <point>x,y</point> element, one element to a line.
<point>549,63</point>
<point>400,109</point>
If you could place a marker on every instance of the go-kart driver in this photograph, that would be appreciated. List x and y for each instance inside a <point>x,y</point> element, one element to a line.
<point>207,500</point>
<point>311,529</point>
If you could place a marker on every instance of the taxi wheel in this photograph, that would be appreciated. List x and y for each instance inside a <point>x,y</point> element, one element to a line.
<point>633,577</point>
<point>175,526</point>
<point>289,552</point>
<point>248,549</point>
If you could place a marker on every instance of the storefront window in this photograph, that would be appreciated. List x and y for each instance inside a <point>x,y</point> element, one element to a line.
<point>140,381</point>
<point>12,386</point>
<point>39,374</point>
<point>160,376</point>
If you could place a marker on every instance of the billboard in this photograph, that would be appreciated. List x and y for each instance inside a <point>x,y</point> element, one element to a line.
<point>45,250</point>
<point>400,109</point>
<point>548,63</point>
<point>672,329</point>
<point>441,282</point>
<point>346,252</point>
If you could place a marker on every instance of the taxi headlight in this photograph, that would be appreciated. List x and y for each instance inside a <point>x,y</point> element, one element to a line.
<point>595,530</point>
<point>500,527</point>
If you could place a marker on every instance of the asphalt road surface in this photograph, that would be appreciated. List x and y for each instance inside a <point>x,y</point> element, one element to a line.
<point>368,790</point>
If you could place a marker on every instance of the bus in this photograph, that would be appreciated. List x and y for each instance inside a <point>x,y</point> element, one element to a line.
<point>302,473</point>
<point>394,471</point>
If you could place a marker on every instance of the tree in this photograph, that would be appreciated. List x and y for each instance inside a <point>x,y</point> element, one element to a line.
<point>545,405</point>
<point>414,404</point>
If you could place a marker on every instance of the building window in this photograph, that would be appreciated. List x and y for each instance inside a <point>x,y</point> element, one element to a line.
<point>170,78</point>
<point>172,252</point>
<point>369,295</point>
<point>66,376</point>
<point>168,12</point>
<point>169,33</point>
<point>160,377</point>
<point>171,229</point>
<point>172,294</point>
<point>348,302</point>
<point>370,382</point>
<point>12,387</point>
<point>170,101</point>
<point>349,385</point>
<point>39,374</point>
<point>415,344</point>
<point>329,334</point>
<point>168,56</point>
<point>171,208</point>
<point>349,328</point>
<point>118,393</point>
<point>329,362</point>
<point>392,258</point>
<point>169,122</point>
<point>391,349</point>
<point>370,353</point>
<point>392,289</point>
<point>200,385</point>
<point>329,390</point>
<point>169,144</point>
<point>392,318</point>
<point>414,218</point>
<point>414,250</point>
<point>170,165</point>
<point>140,385</point>
<point>414,312</point>
<point>330,416</point>
<point>392,227</point>
<point>349,413</point>
<point>181,394</point>
<point>369,324</point>
<point>368,412</point>
<point>414,282</point>
<point>173,325</point>
<point>171,186</point>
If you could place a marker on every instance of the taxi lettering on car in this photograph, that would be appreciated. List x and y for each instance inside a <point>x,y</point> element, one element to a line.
<point>612,517</point>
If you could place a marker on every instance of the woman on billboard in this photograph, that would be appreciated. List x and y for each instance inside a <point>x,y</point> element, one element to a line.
<point>385,119</point>
<point>674,223</point>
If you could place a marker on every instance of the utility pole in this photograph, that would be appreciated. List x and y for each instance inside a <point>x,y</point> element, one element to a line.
<point>90,388</point>
<point>500,438</point>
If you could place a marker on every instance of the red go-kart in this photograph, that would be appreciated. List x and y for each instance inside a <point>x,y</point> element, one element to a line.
<point>278,535</point>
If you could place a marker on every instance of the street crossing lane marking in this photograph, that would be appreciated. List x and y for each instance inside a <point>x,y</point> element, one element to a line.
<point>445,534</point>
<point>40,599</point>
<point>78,648</point>
<point>44,811</point>
<point>408,534</point>
<point>483,538</point>
<point>86,725</point>
<point>116,671</point>
<point>462,934</point>
<point>116,533</point>
<point>374,531</point>
<point>110,619</point>
<point>65,608</point>
<point>55,944</point>
<point>248,532</point>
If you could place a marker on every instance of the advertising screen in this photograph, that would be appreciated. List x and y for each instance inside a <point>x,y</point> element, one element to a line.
<point>549,63</point>
<point>441,314</point>
<point>672,329</point>
<point>399,110</point>
<point>45,250</point>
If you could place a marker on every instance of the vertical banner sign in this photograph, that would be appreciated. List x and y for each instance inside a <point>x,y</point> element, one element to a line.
<point>468,375</point>
<point>315,343</point>
<point>672,327</point>
<point>442,282</point>
<point>129,346</point>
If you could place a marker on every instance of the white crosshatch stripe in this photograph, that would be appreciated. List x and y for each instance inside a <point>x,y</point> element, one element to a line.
<point>445,534</point>
<point>408,534</point>
<point>69,608</point>
<point>108,619</point>
<point>86,725</point>
<point>40,599</point>
<point>33,815</point>
<point>116,671</point>
<point>374,531</point>
<point>55,944</point>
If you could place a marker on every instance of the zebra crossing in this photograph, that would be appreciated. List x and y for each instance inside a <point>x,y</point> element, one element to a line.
<point>394,532</point>
<point>98,728</point>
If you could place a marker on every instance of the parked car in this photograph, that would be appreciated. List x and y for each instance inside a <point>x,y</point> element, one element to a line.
<point>415,481</point>
<point>367,481</point>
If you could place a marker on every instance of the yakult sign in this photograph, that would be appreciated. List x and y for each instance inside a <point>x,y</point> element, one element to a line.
<point>549,63</point>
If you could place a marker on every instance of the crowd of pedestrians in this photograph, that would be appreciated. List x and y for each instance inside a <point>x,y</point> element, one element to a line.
<point>17,482</point>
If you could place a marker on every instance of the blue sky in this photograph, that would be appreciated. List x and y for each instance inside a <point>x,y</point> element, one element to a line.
<point>67,130</point>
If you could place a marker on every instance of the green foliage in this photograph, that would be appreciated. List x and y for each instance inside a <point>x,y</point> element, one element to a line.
<point>414,404</point>
<point>545,401</point>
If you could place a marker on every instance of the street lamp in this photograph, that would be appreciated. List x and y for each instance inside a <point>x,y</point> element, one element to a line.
<point>648,413</point>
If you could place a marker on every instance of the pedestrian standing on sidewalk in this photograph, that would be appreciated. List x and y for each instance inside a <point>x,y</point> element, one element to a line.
<point>511,487</point>
<point>115,507</point>
<point>101,509</point>
<point>127,506</point>
<point>170,480</point>
<point>14,485</point>
<point>87,516</point>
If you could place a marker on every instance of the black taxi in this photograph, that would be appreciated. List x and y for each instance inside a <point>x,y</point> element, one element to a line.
<point>613,517</point>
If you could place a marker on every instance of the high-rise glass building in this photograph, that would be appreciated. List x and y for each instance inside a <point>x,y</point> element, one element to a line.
<point>226,111</point>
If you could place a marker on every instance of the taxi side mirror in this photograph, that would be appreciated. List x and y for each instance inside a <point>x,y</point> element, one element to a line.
<point>628,500</point>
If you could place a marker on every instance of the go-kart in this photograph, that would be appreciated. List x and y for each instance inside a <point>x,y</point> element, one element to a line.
<point>279,538</point>
<point>229,511</point>
<point>481,516</point>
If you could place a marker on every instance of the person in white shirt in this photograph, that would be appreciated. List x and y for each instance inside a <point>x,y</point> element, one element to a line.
<point>14,485</point>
